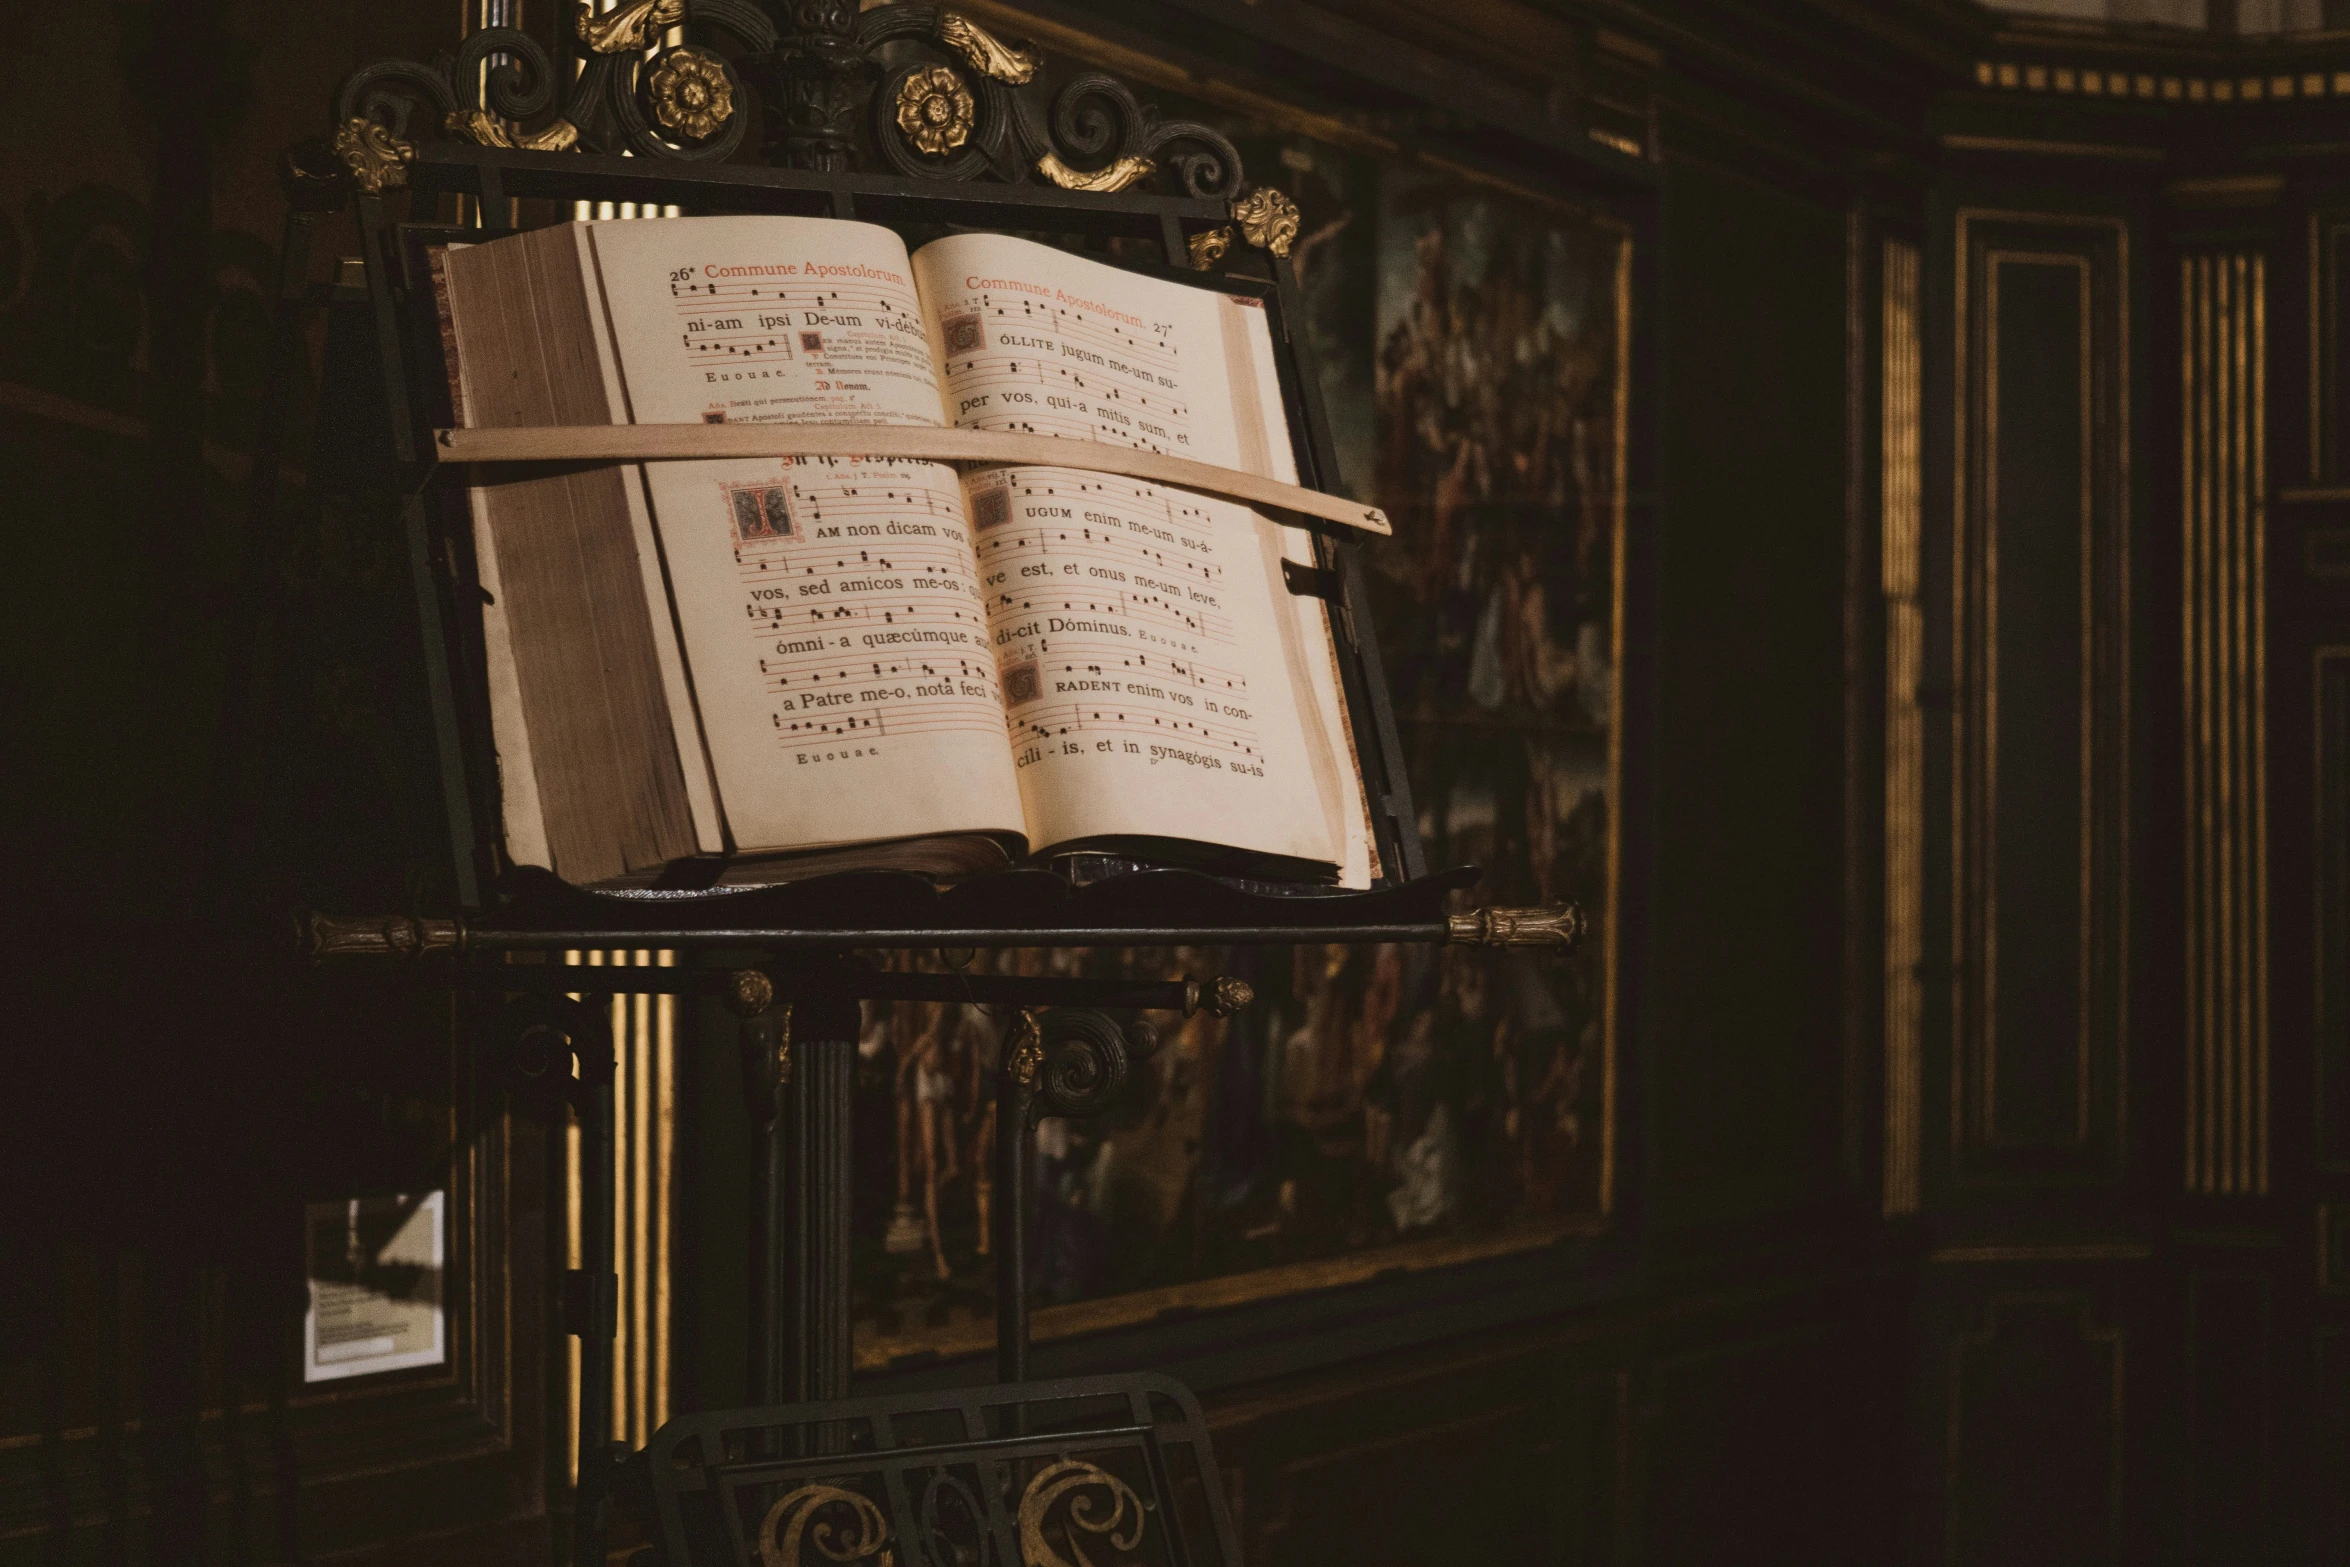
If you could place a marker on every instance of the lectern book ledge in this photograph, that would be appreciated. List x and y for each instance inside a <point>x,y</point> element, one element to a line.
<point>822,663</point>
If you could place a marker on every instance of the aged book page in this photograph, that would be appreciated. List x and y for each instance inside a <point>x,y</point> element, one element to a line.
<point>1160,680</point>
<point>597,775</point>
<point>828,608</point>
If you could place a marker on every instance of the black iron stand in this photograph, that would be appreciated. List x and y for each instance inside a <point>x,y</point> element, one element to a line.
<point>968,142</point>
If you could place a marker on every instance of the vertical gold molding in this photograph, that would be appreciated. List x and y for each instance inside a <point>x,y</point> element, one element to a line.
<point>1610,942</point>
<point>2224,483</point>
<point>644,1115</point>
<point>1901,502</point>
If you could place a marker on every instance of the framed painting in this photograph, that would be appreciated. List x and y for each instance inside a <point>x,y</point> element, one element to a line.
<point>1378,1108</point>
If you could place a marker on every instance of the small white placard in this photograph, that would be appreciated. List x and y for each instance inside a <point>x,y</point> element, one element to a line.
<point>376,1266</point>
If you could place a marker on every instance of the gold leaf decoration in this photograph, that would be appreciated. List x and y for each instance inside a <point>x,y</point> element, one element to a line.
<point>1208,247</point>
<point>935,110</point>
<point>865,1536</point>
<point>1027,1055</point>
<point>632,29</point>
<point>479,125</point>
<point>377,159</point>
<point>985,55</point>
<point>1267,219</point>
<point>1126,171</point>
<point>1558,926</point>
<point>1099,1492</point>
<point>691,95</point>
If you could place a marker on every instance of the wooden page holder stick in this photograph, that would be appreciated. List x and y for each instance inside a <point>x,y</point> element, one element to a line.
<point>689,442</point>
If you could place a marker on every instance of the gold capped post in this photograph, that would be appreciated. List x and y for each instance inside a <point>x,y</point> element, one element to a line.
<point>1227,995</point>
<point>1557,926</point>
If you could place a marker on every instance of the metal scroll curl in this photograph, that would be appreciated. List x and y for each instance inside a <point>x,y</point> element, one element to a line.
<point>966,115</point>
<point>823,1523</point>
<point>1098,1503</point>
<point>1097,121</point>
<point>681,103</point>
<point>1086,1056</point>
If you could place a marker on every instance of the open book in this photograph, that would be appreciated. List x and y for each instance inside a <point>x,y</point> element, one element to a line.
<point>810,664</point>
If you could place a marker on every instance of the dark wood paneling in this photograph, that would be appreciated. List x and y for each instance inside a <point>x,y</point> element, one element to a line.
<point>1749,714</point>
<point>1745,1426</point>
<point>2041,726</point>
<point>2034,1457</point>
<point>1731,1442</point>
<point>2229,1420</point>
<point>2330,1472</point>
<point>1510,1452</point>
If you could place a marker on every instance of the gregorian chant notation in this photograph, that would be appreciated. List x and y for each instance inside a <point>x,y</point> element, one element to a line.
<point>1015,363</point>
<point>1106,601</point>
<point>778,320</point>
<point>859,607</point>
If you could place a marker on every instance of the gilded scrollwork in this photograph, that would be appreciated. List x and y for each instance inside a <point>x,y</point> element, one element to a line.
<point>691,93</point>
<point>1099,1504</point>
<point>377,159</point>
<point>968,112</point>
<point>935,110</point>
<point>632,29</point>
<point>812,1517</point>
<point>1267,219</point>
<point>1208,247</point>
<point>1129,170</point>
<point>479,125</point>
<point>983,53</point>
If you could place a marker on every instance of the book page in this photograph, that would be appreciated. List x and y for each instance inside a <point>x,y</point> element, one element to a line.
<point>1157,672</point>
<point>829,610</point>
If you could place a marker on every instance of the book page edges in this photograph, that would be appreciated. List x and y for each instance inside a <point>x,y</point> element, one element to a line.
<point>685,723</point>
<point>525,819</point>
<point>1337,768</point>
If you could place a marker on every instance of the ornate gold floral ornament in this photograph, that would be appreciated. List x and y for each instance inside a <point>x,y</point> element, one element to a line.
<point>1105,1503</point>
<point>1208,247</point>
<point>1267,219</point>
<point>1126,171</point>
<point>479,125</point>
<point>377,159</point>
<point>690,93</point>
<point>984,54</point>
<point>935,110</point>
<point>632,29</point>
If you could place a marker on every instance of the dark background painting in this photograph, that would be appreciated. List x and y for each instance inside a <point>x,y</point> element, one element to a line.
<point>1378,1106</point>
